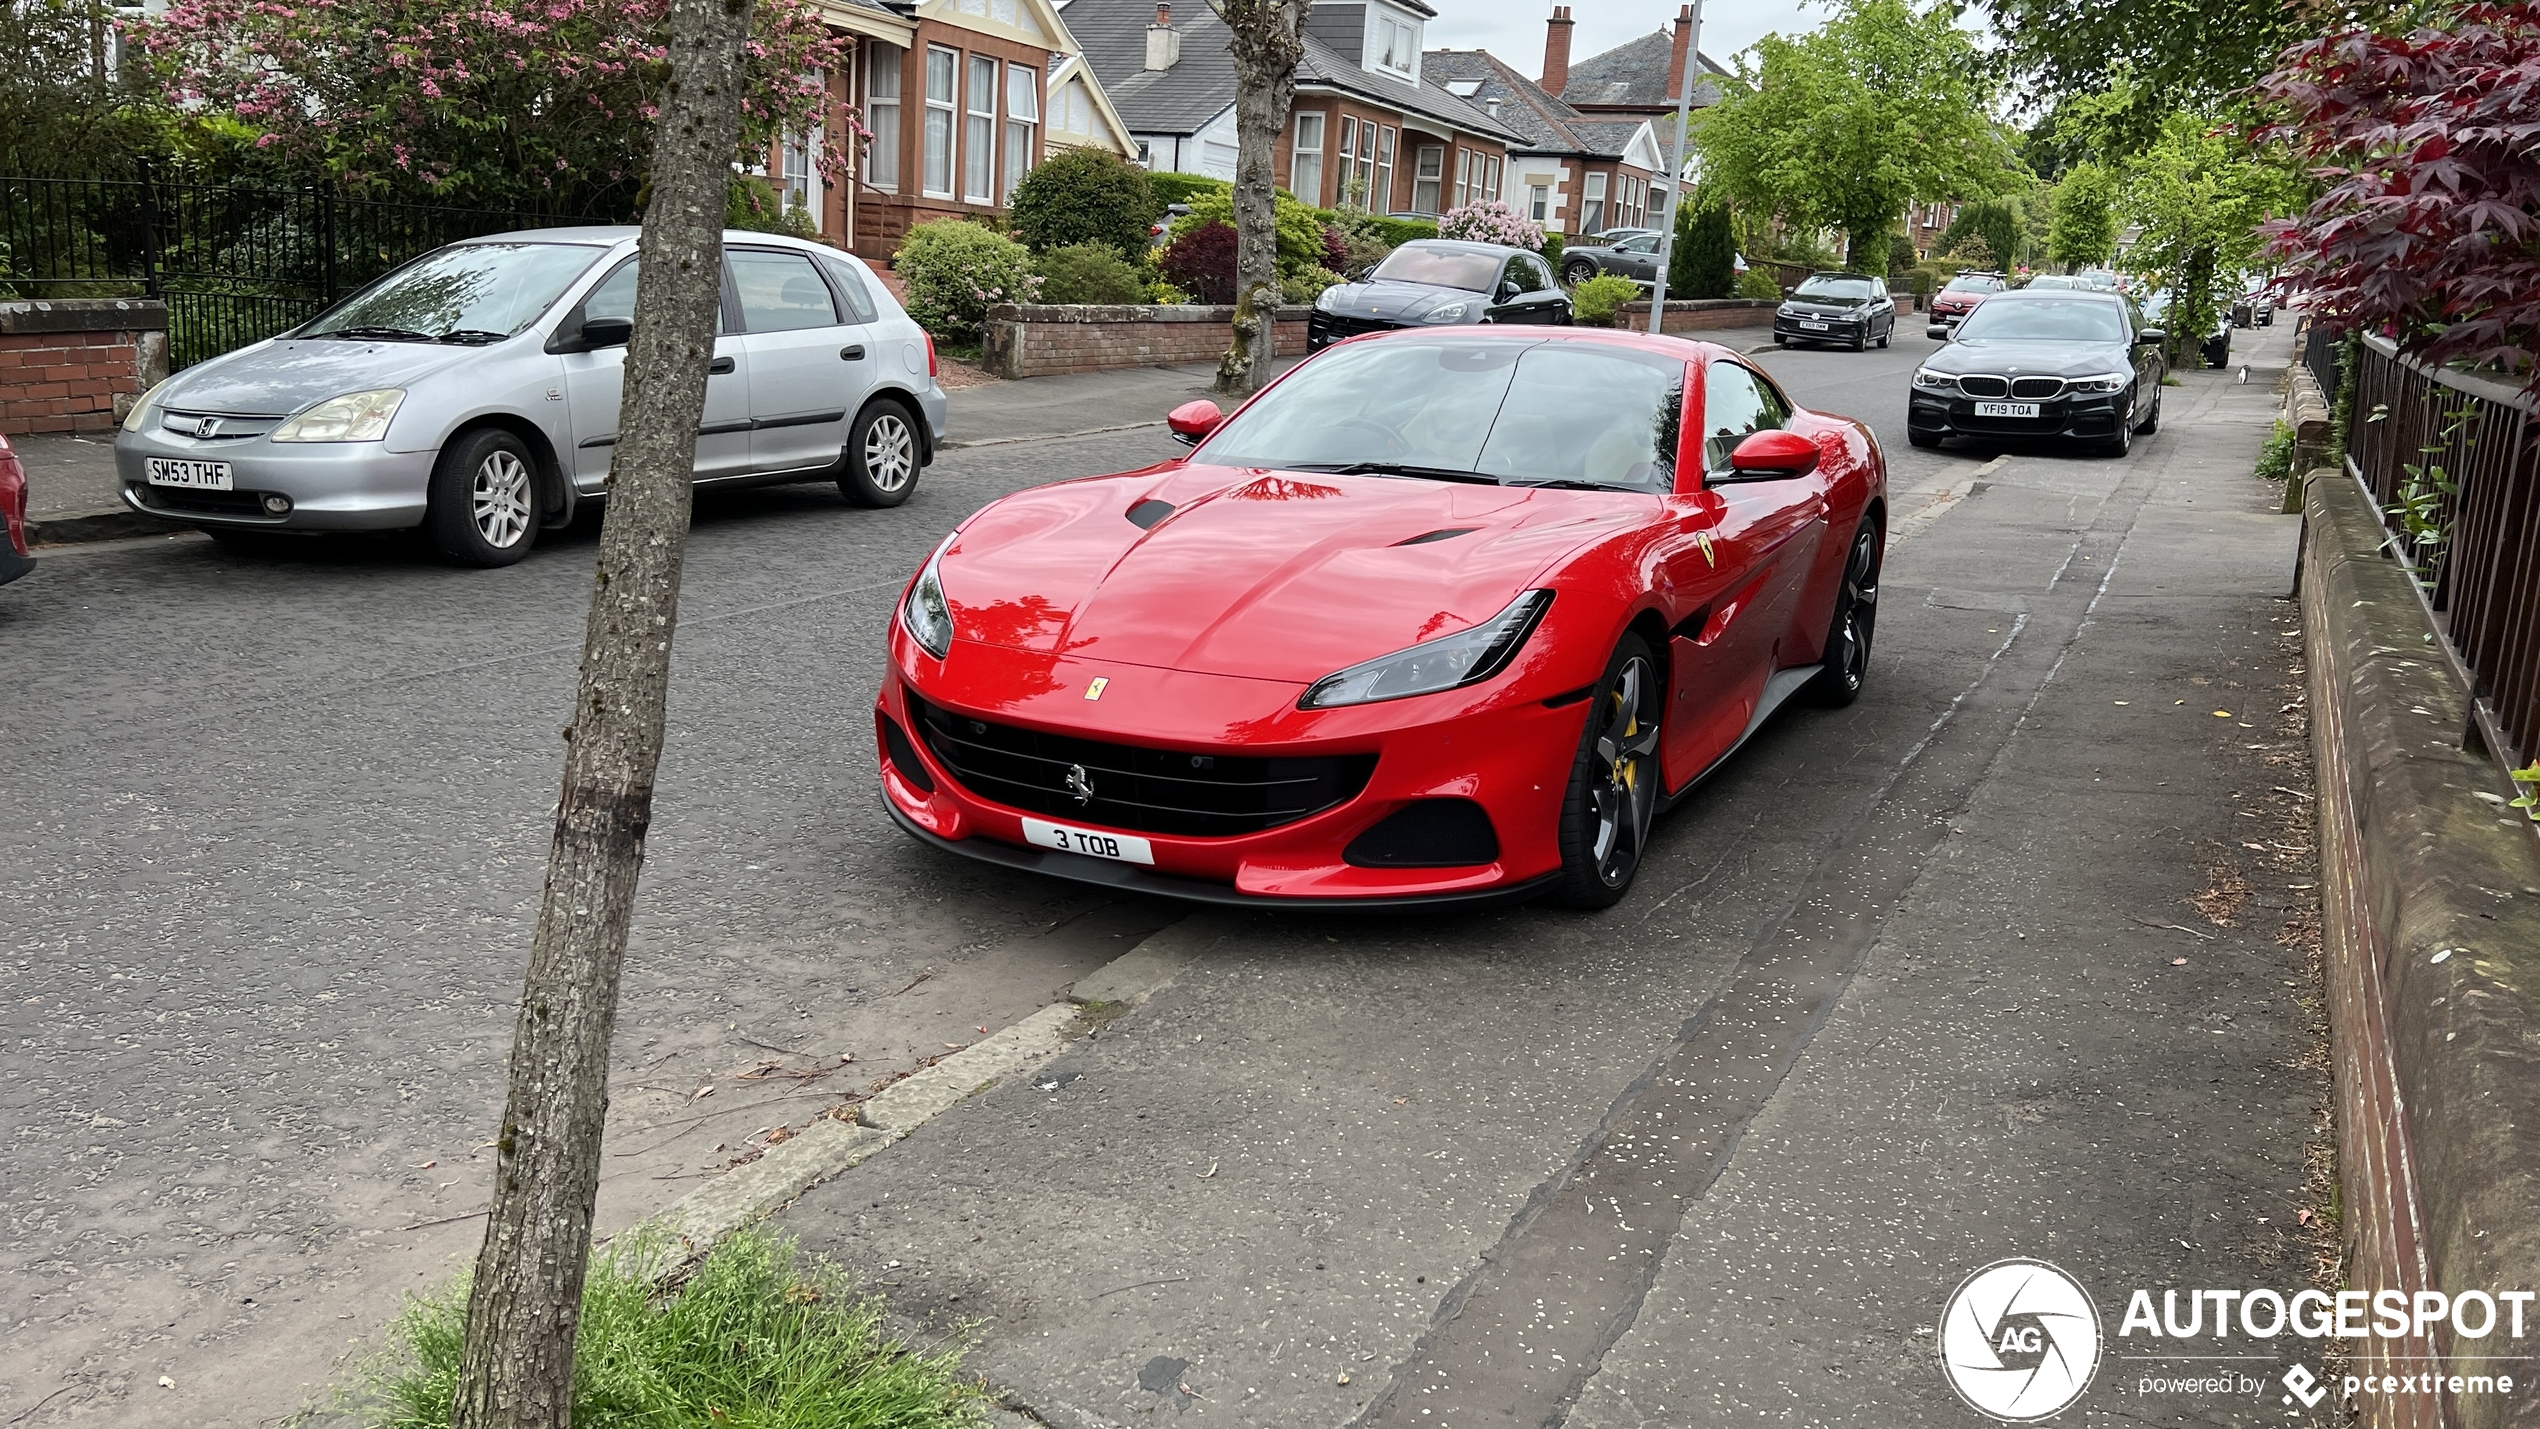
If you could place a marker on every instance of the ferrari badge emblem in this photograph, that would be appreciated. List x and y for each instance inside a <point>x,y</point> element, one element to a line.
<point>1703,539</point>
<point>1080,784</point>
<point>1094,690</point>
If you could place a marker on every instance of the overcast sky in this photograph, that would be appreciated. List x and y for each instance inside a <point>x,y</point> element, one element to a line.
<point>1513,29</point>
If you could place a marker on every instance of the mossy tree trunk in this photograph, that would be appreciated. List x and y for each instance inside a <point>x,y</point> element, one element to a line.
<point>1266,41</point>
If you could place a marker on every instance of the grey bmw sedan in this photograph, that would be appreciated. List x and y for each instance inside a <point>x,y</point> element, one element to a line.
<point>474,393</point>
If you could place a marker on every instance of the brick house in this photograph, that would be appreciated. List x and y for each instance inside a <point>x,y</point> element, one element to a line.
<point>1369,128</point>
<point>1574,173</point>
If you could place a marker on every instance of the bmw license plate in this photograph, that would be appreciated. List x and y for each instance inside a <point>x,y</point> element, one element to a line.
<point>2006,409</point>
<point>199,475</point>
<point>1120,848</point>
<point>1813,327</point>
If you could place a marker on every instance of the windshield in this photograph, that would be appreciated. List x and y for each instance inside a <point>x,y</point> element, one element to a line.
<point>1446,268</point>
<point>1834,288</point>
<point>476,292</point>
<point>1514,412</point>
<point>1969,285</point>
<point>2007,320</point>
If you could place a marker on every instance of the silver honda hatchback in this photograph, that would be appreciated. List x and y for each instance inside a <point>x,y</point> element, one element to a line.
<point>474,392</point>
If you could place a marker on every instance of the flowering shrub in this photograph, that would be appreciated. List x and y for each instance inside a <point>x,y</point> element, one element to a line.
<point>1490,221</point>
<point>955,271</point>
<point>540,104</point>
<point>1201,262</point>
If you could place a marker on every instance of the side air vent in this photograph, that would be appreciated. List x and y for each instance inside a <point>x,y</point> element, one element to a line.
<point>1146,513</point>
<point>1448,534</point>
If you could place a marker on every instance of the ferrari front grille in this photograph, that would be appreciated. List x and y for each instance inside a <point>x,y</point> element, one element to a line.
<point>1122,786</point>
<point>1983,386</point>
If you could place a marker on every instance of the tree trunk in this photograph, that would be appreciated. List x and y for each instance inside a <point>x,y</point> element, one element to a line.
<point>1265,42</point>
<point>525,1303</point>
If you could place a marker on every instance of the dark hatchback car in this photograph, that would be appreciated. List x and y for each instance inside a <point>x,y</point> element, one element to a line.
<point>2052,364</point>
<point>14,561</point>
<point>1849,308</point>
<point>1440,282</point>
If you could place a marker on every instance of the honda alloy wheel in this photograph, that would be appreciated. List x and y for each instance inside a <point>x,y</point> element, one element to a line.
<point>483,507</point>
<point>882,456</point>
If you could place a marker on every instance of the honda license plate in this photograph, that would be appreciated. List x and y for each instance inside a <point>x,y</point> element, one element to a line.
<point>1090,842</point>
<point>2006,409</point>
<point>199,475</point>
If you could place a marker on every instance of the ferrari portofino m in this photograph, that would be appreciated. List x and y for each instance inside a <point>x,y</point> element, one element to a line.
<point>1438,616</point>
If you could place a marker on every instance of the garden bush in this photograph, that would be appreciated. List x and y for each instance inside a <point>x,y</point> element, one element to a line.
<point>1081,196</point>
<point>1759,282</point>
<point>1088,273</point>
<point>1490,221</point>
<point>1185,188</point>
<point>1552,250</point>
<point>954,272</point>
<point>1703,263</point>
<point>1300,231</point>
<point>1362,247</point>
<point>1307,284</point>
<point>1201,262</point>
<point>1596,301</point>
<point>1399,231</point>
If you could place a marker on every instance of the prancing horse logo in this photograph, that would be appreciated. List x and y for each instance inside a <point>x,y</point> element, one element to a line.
<point>1080,784</point>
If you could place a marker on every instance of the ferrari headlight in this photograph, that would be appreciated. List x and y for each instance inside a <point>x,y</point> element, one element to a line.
<point>1465,658</point>
<point>924,614</point>
<point>1930,381</point>
<point>143,407</point>
<point>2106,383</point>
<point>1453,312</point>
<point>353,417</point>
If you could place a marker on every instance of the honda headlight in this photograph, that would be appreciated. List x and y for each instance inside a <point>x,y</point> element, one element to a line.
<point>1462,312</point>
<point>2101,385</point>
<point>353,417</point>
<point>1465,658</point>
<point>1929,381</point>
<point>924,614</point>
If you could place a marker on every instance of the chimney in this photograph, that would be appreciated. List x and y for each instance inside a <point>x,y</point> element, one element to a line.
<point>1164,43</point>
<point>1676,61</point>
<point>1556,51</point>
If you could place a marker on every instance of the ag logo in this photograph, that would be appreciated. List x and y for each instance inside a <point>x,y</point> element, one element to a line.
<point>2019,1340</point>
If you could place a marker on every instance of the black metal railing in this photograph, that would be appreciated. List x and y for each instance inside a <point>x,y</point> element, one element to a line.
<point>2453,461</point>
<point>2319,355</point>
<point>235,263</point>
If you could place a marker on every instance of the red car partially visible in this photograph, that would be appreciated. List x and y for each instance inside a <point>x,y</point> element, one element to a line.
<point>1959,297</point>
<point>14,560</point>
<point>1440,616</point>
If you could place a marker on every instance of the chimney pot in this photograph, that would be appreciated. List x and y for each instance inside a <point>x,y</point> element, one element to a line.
<point>1556,51</point>
<point>1163,12</point>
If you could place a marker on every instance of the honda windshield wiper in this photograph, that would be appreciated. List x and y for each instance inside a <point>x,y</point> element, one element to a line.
<point>1395,468</point>
<point>388,334</point>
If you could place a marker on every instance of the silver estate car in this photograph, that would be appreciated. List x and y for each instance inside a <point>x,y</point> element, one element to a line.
<point>474,392</point>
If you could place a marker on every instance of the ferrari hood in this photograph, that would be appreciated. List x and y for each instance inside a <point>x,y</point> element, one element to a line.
<point>1283,576</point>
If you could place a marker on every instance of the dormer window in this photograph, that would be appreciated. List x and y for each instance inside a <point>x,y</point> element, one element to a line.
<point>1393,44</point>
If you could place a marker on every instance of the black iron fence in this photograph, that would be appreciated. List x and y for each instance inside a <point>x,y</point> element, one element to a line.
<point>2453,460</point>
<point>2319,354</point>
<point>235,263</point>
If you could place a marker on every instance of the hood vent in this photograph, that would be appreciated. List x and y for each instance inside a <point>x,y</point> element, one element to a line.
<point>1447,534</point>
<point>1147,513</point>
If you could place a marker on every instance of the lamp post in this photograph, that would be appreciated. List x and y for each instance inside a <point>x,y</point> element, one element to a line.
<point>1676,183</point>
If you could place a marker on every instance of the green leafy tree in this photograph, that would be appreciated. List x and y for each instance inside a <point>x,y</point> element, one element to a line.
<point>63,111</point>
<point>1086,196</point>
<point>2198,194</point>
<point>1703,263</point>
<point>1843,127</point>
<point>2144,59</point>
<point>1998,222</point>
<point>2084,232</point>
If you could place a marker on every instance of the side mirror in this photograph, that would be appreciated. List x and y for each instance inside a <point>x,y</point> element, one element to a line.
<point>1509,293</point>
<point>598,333</point>
<point>2146,337</point>
<point>1364,275</point>
<point>1770,455</point>
<point>1193,420</point>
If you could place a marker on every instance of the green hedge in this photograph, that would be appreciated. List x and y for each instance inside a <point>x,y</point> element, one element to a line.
<point>1399,231</point>
<point>1183,188</point>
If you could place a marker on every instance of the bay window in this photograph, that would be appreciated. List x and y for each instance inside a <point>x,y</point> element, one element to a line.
<point>1592,205</point>
<point>1022,111</point>
<point>1380,198</point>
<point>1305,161</point>
<point>942,66</point>
<point>1428,166</point>
<point>882,115</point>
<point>979,134</point>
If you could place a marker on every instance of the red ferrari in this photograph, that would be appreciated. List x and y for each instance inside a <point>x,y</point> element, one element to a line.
<point>1439,616</point>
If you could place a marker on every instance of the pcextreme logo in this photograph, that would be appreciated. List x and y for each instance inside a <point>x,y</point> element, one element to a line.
<point>2019,1340</point>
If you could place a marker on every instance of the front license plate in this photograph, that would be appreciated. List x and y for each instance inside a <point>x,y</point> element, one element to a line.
<point>1118,847</point>
<point>2006,409</point>
<point>200,475</point>
<point>1813,327</point>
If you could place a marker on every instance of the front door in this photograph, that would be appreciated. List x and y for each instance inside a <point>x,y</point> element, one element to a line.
<point>594,383</point>
<point>808,365</point>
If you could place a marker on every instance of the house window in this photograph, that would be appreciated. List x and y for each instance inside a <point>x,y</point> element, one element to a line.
<point>1427,166</point>
<point>1465,162</point>
<point>1491,184</point>
<point>1022,111</point>
<point>1382,194</point>
<point>979,134</point>
<point>1305,165</point>
<point>941,67</point>
<point>882,115</point>
<point>1397,45</point>
<point>1539,202</point>
<point>798,179</point>
<point>1592,205</point>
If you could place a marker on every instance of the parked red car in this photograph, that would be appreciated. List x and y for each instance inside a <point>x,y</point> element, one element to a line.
<point>1952,303</point>
<point>1442,615</point>
<point>14,561</point>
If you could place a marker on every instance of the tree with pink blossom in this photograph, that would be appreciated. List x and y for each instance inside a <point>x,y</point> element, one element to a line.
<point>1490,221</point>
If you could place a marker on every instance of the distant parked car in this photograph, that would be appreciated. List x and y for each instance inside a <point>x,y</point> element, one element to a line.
<point>475,393</point>
<point>2047,282</point>
<point>1435,282</point>
<point>1959,297</point>
<point>14,561</point>
<point>1849,308</point>
<point>1633,256</point>
<point>2216,349</point>
<point>2255,307</point>
<point>2104,279</point>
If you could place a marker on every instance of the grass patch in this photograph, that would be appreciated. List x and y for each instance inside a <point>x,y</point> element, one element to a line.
<point>2275,459</point>
<point>752,1341</point>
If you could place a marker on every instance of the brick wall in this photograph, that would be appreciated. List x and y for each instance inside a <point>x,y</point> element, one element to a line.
<point>76,364</point>
<point>1700,314</point>
<point>1045,339</point>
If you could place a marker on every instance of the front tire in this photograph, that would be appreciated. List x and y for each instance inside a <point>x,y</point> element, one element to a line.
<point>881,456</point>
<point>1613,792</point>
<point>1578,272</point>
<point>1845,667</point>
<point>2123,441</point>
<point>483,508</point>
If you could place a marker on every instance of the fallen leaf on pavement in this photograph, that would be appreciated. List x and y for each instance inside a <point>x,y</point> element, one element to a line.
<point>704,1091</point>
<point>1343,1378</point>
<point>424,1165</point>
<point>782,1133</point>
<point>2178,962</point>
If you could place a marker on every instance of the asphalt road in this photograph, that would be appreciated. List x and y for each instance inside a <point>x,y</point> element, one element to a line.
<point>278,820</point>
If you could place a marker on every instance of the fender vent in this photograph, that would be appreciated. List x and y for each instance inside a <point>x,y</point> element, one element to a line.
<point>1146,513</point>
<point>1448,534</point>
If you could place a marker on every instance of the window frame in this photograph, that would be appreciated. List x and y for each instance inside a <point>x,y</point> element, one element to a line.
<point>949,108</point>
<point>882,156</point>
<point>1593,188</point>
<point>1428,168</point>
<point>976,123</point>
<point>1539,202</point>
<point>1020,124</point>
<point>1302,159</point>
<point>1382,181</point>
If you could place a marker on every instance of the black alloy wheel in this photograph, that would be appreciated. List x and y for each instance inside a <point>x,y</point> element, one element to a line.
<point>1846,666</point>
<point>1613,793</point>
<point>2123,441</point>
